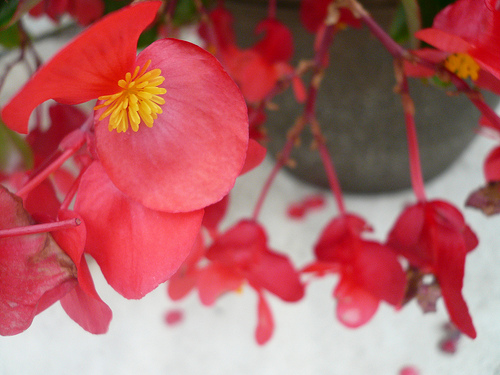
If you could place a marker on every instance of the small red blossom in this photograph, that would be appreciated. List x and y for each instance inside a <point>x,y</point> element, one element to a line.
<point>470,27</point>
<point>434,237</point>
<point>268,59</point>
<point>240,255</point>
<point>83,11</point>
<point>369,271</point>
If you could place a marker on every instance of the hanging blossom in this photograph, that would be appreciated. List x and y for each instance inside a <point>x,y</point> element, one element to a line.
<point>369,271</point>
<point>239,255</point>
<point>39,269</point>
<point>267,59</point>
<point>83,11</point>
<point>171,136</point>
<point>434,237</point>
<point>469,31</point>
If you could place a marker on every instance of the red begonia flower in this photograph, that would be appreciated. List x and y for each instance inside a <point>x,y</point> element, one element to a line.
<point>469,27</point>
<point>136,247</point>
<point>243,249</point>
<point>196,146</point>
<point>34,271</point>
<point>84,11</point>
<point>369,271</point>
<point>238,255</point>
<point>434,237</point>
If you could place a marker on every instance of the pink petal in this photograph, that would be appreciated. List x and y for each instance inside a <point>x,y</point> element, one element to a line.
<point>378,271</point>
<point>255,156</point>
<point>137,248</point>
<point>275,273</point>
<point>492,165</point>
<point>265,321</point>
<point>241,246</point>
<point>82,304</point>
<point>196,148</point>
<point>215,280</point>
<point>86,68</point>
<point>443,40</point>
<point>277,43</point>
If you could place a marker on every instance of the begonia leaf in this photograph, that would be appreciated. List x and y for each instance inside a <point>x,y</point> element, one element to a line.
<point>90,66</point>
<point>196,148</point>
<point>136,247</point>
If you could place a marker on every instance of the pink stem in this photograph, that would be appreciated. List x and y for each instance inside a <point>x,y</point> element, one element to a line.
<point>272,9</point>
<point>417,179</point>
<point>331,174</point>
<point>285,154</point>
<point>39,228</point>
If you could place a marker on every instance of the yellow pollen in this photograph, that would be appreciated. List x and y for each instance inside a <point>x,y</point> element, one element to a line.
<point>462,65</point>
<point>138,100</point>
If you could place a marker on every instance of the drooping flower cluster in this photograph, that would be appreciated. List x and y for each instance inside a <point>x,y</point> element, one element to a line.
<point>148,181</point>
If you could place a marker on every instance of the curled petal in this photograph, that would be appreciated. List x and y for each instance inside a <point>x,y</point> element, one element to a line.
<point>196,148</point>
<point>88,67</point>
<point>137,248</point>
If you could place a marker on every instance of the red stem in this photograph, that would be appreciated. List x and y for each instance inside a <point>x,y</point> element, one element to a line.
<point>39,228</point>
<point>330,173</point>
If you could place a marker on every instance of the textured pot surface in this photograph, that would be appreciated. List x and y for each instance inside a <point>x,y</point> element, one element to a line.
<point>361,116</point>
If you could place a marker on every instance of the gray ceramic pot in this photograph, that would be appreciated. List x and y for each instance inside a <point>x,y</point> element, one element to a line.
<point>359,113</point>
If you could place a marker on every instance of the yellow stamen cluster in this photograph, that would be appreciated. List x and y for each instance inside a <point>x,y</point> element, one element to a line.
<point>137,100</point>
<point>462,65</point>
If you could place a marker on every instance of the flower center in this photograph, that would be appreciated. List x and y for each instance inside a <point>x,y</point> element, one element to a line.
<point>462,65</point>
<point>138,99</point>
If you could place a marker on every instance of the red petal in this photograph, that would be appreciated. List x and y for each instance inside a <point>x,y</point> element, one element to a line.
<point>275,273</point>
<point>256,154</point>
<point>492,165</point>
<point>240,245</point>
<point>215,213</point>
<point>137,248</point>
<point>82,304</point>
<point>196,148</point>
<point>277,43</point>
<point>215,280</point>
<point>265,321</point>
<point>378,271</point>
<point>443,40</point>
<point>450,274</point>
<point>355,306</point>
<point>88,67</point>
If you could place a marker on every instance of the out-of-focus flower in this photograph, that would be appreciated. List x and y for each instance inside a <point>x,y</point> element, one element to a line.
<point>83,11</point>
<point>434,237</point>
<point>238,255</point>
<point>369,271</point>
<point>469,30</point>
